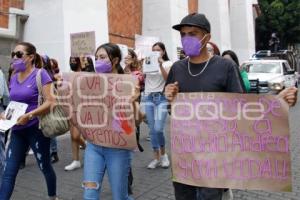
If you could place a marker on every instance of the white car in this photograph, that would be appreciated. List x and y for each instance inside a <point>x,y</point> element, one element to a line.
<point>270,75</point>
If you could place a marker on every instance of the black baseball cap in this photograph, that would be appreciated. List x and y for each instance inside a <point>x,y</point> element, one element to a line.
<point>195,19</point>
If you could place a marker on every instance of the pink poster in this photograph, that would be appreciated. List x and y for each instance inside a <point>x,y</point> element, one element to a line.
<point>99,106</point>
<point>238,141</point>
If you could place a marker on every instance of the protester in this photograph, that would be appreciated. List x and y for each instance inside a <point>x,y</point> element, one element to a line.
<point>201,72</point>
<point>53,143</point>
<point>98,159</point>
<point>76,138</point>
<point>212,49</point>
<point>232,56</point>
<point>55,69</point>
<point>156,107</point>
<point>4,95</point>
<point>87,64</point>
<point>26,132</point>
<point>133,67</point>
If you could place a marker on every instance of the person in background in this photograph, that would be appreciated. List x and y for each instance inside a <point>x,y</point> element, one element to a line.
<point>24,89</point>
<point>133,67</point>
<point>53,144</point>
<point>76,138</point>
<point>55,69</point>
<point>233,57</point>
<point>212,49</point>
<point>4,96</point>
<point>98,159</point>
<point>87,64</point>
<point>156,107</point>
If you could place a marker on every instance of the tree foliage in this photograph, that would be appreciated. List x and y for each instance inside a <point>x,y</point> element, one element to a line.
<point>281,17</point>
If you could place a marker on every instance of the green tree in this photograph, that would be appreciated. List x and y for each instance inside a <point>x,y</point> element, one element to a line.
<point>281,17</point>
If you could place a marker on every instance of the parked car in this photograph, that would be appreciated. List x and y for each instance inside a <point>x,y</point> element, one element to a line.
<point>287,55</point>
<point>270,75</point>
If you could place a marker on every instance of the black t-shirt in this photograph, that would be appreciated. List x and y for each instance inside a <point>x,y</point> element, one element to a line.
<point>220,75</point>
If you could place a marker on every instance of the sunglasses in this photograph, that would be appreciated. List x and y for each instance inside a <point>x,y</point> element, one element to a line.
<point>19,54</point>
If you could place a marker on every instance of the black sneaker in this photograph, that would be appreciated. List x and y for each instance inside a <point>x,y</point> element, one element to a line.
<point>22,165</point>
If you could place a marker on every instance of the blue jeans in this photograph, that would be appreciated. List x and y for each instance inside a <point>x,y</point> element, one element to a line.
<point>117,162</point>
<point>156,111</point>
<point>53,145</point>
<point>20,141</point>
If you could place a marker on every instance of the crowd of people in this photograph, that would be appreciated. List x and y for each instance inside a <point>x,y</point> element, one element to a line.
<point>201,68</point>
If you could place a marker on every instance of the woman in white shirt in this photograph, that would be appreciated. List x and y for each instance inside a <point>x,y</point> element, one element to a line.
<point>156,107</point>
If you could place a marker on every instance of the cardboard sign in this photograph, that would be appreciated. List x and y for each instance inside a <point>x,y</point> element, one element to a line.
<point>237,141</point>
<point>124,54</point>
<point>99,106</point>
<point>83,44</point>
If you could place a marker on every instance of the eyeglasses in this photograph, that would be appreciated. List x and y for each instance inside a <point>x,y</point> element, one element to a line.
<point>19,54</point>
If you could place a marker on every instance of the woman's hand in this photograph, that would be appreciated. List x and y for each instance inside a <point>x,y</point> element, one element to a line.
<point>2,116</point>
<point>160,61</point>
<point>24,119</point>
<point>136,94</point>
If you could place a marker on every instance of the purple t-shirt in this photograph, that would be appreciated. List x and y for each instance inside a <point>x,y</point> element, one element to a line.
<point>27,92</point>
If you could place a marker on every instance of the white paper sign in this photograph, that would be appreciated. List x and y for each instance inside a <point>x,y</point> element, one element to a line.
<point>124,53</point>
<point>151,63</point>
<point>144,44</point>
<point>12,113</point>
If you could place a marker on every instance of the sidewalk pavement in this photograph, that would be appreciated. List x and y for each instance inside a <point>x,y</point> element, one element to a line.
<point>148,184</point>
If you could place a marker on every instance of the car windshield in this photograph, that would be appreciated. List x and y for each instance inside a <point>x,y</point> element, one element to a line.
<point>262,67</point>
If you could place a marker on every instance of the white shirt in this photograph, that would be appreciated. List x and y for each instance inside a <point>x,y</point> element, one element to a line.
<point>155,82</point>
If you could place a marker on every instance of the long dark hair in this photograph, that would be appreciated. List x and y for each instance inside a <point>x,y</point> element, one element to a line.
<point>232,55</point>
<point>90,67</point>
<point>47,66</point>
<point>113,51</point>
<point>77,59</point>
<point>165,57</point>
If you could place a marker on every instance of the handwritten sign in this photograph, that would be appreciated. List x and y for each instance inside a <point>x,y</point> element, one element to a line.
<point>83,44</point>
<point>99,105</point>
<point>223,140</point>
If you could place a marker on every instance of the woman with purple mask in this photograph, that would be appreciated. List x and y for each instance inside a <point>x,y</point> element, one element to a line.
<point>98,159</point>
<point>24,89</point>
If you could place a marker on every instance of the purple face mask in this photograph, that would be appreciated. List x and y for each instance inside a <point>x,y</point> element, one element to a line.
<point>102,66</point>
<point>191,45</point>
<point>19,65</point>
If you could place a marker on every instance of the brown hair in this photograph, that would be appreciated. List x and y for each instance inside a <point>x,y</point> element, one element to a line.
<point>135,64</point>
<point>216,49</point>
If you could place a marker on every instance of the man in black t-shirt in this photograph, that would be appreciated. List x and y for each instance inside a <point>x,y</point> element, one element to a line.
<point>200,72</point>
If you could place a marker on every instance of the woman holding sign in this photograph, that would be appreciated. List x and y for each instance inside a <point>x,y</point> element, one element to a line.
<point>98,158</point>
<point>76,139</point>
<point>26,133</point>
<point>156,107</point>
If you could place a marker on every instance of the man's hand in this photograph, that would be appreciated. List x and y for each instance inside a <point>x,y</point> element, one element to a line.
<point>289,95</point>
<point>171,91</point>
